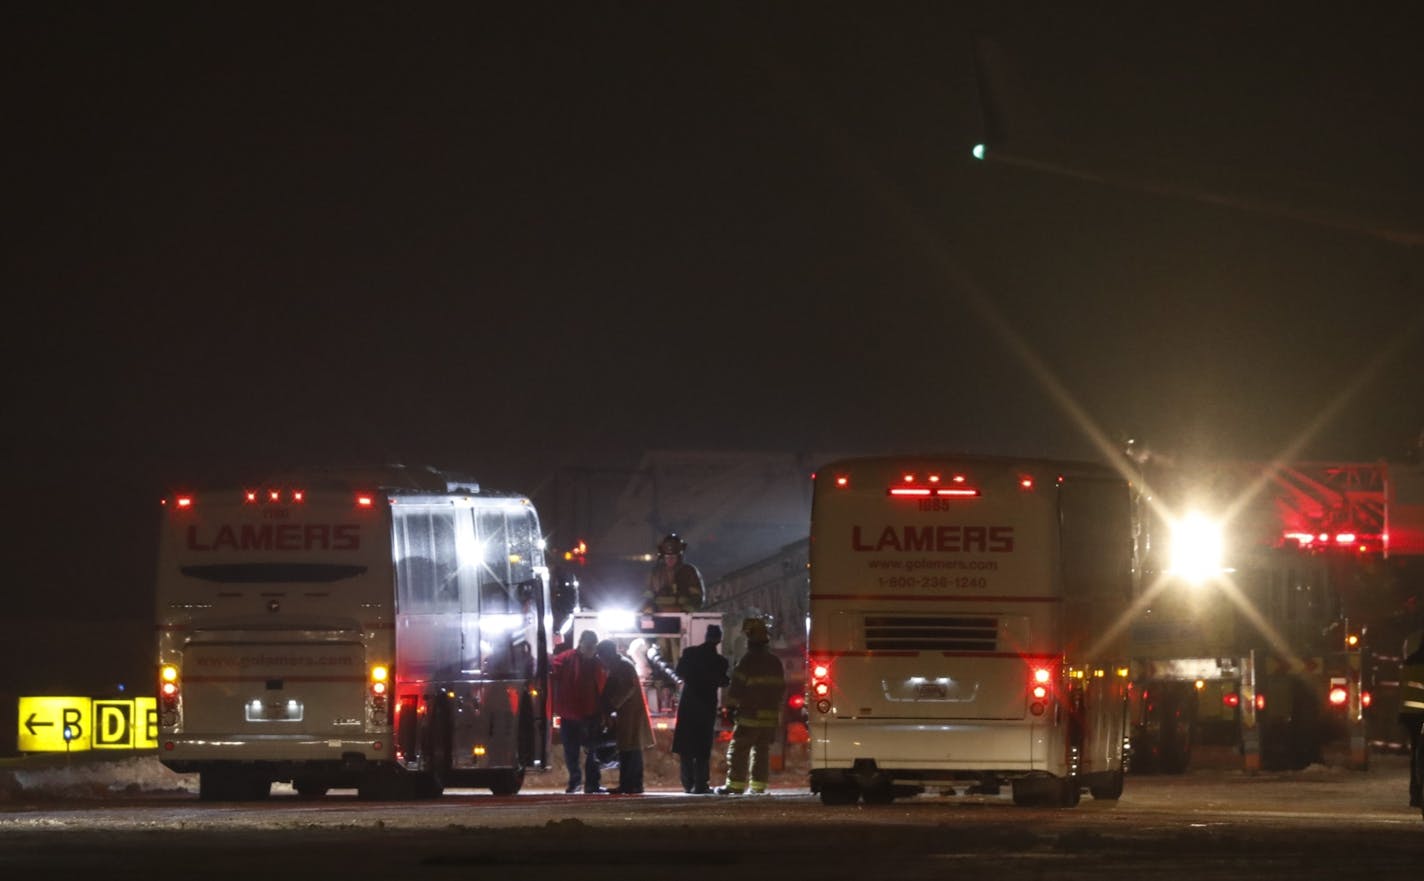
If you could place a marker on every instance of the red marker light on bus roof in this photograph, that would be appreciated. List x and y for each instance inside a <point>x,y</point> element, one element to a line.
<point>250,496</point>
<point>298,495</point>
<point>909,478</point>
<point>959,478</point>
<point>842,481</point>
<point>1026,482</point>
<point>364,501</point>
<point>273,495</point>
<point>184,501</point>
<point>934,478</point>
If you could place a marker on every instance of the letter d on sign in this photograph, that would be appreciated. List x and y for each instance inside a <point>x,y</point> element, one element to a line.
<point>113,724</point>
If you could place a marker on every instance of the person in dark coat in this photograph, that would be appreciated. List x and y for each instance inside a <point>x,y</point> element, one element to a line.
<point>627,710</point>
<point>702,670</point>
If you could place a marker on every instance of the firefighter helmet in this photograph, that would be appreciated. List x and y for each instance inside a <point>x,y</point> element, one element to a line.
<point>672,545</point>
<point>756,632</point>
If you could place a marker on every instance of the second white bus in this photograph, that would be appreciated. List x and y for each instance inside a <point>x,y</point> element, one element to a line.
<point>964,628</point>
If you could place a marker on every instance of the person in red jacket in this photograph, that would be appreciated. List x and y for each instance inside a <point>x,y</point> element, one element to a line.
<point>577,681</point>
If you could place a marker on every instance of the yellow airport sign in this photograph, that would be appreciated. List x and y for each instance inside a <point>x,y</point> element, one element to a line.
<point>145,723</point>
<point>54,724</point>
<point>73,724</point>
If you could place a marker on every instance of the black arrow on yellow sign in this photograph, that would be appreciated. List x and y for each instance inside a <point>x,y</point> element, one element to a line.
<point>31,725</point>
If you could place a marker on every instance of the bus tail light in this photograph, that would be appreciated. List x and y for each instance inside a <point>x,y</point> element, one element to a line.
<point>380,684</point>
<point>1040,681</point>
<point>820,685</point>
<point>169,689</point>
<point>1339,695</point>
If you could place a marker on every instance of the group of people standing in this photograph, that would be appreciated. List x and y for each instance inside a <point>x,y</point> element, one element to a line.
<point>598,695</point>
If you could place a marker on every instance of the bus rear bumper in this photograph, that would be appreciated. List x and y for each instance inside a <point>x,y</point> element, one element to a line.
<point>933,750</point>
<point>186,753</point>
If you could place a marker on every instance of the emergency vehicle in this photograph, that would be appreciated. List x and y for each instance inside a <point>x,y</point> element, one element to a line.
<point>653,641</point>
<point>965,628</point>
<point>1277,597</point>
<point>386,630</point>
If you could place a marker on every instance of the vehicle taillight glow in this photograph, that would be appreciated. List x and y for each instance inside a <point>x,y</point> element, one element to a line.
<point>1366,699</point>
<point>168,688</point>
<point>1260,702</point>
<point>821,685</point>
<point>1039,681</point>
<point>1338,696</point>
<point>1231,699</point>
<point>796,701</point>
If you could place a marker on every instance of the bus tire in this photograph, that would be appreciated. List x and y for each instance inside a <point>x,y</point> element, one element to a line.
<point>308,788</point>
<point>230,785</point>
<point>507,782</point>
<point>835,794</point>
<point>1109,788</point>
<point>879,794</point>
<point>1070,792</point>
<point>386,784</point>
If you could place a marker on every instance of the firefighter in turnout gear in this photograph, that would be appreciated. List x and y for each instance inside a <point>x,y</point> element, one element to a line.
<point>754,701</point>
<point>673,585</point>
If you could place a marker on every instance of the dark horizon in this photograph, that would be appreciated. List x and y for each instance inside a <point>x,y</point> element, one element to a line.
<point>508,242</point>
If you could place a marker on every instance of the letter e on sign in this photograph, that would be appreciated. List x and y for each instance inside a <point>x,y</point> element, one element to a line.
<point>145,723</point>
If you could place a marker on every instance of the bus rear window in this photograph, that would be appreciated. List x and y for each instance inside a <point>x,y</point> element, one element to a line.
<point>273,573</point>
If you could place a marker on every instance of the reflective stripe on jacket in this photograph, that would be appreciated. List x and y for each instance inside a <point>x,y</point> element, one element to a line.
<point>758,685</point>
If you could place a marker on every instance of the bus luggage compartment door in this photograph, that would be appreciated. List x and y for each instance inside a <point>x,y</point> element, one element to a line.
<point>274,688</point>
<point>947,666</point>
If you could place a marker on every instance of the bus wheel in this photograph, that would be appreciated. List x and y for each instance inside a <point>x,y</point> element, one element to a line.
<point>309,789</point>
<point>386,784</point>
<point>1070,792</point>
<point>226,785</point>
<point>1110,789</point>
<point>879,794</point>
<point>1028,793</point>
<point>427,785</point>
<point>508,782</point>
<point>839,794</point>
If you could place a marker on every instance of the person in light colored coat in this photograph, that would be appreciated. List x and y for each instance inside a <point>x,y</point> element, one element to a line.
<point>624,703</point>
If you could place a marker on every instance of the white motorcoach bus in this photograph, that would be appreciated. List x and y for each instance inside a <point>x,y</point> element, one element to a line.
<point>386,630</point>
<point>963,621</point>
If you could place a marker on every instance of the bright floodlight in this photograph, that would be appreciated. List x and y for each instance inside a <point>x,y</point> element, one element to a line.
<point>1196,548</point>
<point>979,151</point>
<point>616,619</point>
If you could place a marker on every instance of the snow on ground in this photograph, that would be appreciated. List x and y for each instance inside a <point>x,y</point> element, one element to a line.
<point>84,776</point>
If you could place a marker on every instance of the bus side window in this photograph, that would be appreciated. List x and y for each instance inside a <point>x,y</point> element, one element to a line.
<point>1096,539</point>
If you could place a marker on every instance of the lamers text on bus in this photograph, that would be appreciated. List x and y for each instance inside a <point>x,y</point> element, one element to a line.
<point>944,539</point>
<point>278,537</point>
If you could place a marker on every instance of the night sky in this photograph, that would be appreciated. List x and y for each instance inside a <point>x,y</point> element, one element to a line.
<point>241,238</point>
